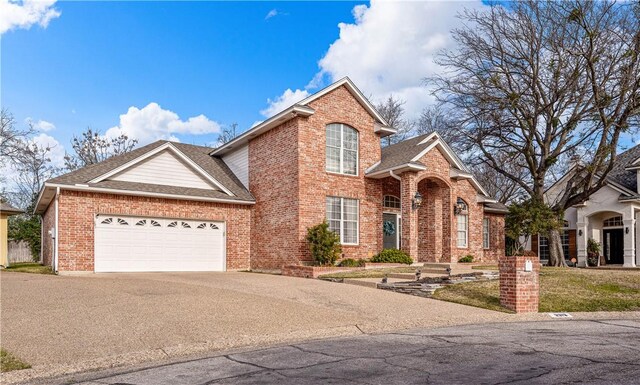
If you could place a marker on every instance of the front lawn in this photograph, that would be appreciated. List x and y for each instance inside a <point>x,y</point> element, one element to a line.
<point>372,273</point>
<point>561,290</point>
<point>9,362</point>
<point>34,268</point>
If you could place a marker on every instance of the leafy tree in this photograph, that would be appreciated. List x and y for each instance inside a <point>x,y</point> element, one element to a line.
<point>91,147</point>
<point>324,244</point>
<point>537,82</point>
<point>529,217</point>
<point>26,228</point>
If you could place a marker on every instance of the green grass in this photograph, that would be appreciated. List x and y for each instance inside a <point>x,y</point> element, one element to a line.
<point>34,268</point>
<point>561,290</point>
<point>371,273</point>
<point>9,362</point>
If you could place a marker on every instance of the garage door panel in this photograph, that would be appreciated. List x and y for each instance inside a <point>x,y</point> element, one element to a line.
<point>126,244</point>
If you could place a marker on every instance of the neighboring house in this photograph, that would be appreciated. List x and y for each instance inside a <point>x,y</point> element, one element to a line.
<point>611,216</point>
<point>6,211</point>
<point>248,203</point>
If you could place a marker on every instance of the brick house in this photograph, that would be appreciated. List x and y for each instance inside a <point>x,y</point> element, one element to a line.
<point>611,217</point>
<point>248,203</point>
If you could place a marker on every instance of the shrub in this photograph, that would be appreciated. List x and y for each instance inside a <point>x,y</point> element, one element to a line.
<point>350,262</point>
<point>466,259</point>
<point>324,244</point>
<point>392,256</point>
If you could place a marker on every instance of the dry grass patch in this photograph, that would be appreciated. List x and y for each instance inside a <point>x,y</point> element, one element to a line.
<point>9,362</point>
<point>561,290</point>
<point>33,268</point>
<point>371,273</point>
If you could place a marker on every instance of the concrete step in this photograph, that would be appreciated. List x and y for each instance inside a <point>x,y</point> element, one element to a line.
<point>362,282</point>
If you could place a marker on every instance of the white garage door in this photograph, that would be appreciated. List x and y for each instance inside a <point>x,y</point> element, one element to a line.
<point>129,244</point>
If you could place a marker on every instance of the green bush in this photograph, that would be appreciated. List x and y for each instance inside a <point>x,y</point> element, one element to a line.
<point>466,259</point>
<point>26,228</point>
<point>392,256</point>
<point>324,244</point>
<point>350,262</point>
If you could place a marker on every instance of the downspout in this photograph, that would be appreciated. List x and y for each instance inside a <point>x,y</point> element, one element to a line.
<point>55,245</point>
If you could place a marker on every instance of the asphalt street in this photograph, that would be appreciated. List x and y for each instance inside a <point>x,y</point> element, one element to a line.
<point>552,352</point>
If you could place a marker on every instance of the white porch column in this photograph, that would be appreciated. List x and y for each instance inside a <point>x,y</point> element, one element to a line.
<point>581,237</point>
<point>629,222</point>
<point>638,236</point>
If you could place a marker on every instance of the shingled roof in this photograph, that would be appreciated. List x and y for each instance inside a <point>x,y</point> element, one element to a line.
<point>400,153</point>
<point>213,166</point>
<point>626,178</point>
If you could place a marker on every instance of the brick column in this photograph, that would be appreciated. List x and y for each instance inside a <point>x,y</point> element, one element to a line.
<point>520,289</point>
<point>409,215</point>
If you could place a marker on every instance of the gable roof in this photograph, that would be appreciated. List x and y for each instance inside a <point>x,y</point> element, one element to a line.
<point>6,208</point>
<point>406,155</point>
<point>95,177</point>
<point>624,171</point>
<point>302,109</point>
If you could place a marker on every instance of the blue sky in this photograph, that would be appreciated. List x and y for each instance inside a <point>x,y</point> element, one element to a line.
<point>180,70</point>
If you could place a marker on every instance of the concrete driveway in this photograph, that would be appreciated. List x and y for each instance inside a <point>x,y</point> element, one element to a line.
<point>65,324</point>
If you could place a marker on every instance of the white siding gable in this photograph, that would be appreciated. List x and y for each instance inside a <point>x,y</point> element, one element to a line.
<point>164,168</point>
<point>238,162</point>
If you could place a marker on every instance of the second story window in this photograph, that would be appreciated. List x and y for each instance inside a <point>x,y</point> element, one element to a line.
<point>342,149</point>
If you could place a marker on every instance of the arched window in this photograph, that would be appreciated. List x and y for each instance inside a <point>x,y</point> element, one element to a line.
<point>613,222</point>
<point>462,220</point>
<point>391,202</point>
<point>342,149</point>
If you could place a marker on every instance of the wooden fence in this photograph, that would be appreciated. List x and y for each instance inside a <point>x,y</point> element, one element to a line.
<point>19,251</point>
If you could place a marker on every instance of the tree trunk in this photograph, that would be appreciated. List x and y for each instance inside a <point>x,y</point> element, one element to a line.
<point>556,254</point>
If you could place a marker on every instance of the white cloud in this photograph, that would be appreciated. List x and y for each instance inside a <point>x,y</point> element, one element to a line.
<point>23,14</point>
<point>389,48</point>
<point>57,149</point>
<point>152,122</point>
<point>41,125</point>
<point>282,102</point>
<point>272,13</point>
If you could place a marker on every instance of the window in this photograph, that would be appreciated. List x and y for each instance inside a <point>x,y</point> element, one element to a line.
<point>342,149</point>
<point>342,215</point>
<point>613,222</point>
<point>462,219</point>
<point>141,222</point>
<point>122,222</point>
<point>391,202</point>
<point>543,246</point>
<point>485,233</point>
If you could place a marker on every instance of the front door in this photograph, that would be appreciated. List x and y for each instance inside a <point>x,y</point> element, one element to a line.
<point>613,246</point>
<point>390,231</point>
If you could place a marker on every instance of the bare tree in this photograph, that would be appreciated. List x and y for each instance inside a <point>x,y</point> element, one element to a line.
<point>11,137</point>
<point>392,110</point>
<point>92,147</point>
<point>436,118</point>
<point>228,134</point>
<point>541,80</point>
<point>33,167</point>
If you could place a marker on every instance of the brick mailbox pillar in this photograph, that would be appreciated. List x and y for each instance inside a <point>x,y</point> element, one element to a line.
<point>520,283</point>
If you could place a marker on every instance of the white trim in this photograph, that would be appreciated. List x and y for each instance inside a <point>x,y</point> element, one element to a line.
<point>263,127</point>
<point>485,199</point>
<point>354,91</point>
<point>488,221</point>
<point>176,151</point>
<point>410,166</point>
<point>384,130</point>
<point>455,173</point>
<point>372,167</point>
<point>342,220</point>
<point>620,189</point>
<point>148,194</point>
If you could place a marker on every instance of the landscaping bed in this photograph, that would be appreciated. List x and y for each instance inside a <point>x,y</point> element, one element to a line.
<point>368,273</point>
<point>561,290</point>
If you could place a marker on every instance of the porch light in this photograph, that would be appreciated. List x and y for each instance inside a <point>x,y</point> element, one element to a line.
<point>580,232</point>
<point>417,200</point>
<point>626,230</point>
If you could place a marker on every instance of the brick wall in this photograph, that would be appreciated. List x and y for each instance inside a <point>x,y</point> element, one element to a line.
<point>273,178</point>
<point>77,211</point>
<point>496,238</point>
<point>520,289</point>
<point>315,183</point>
